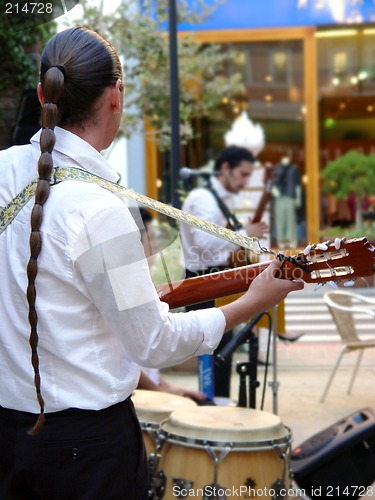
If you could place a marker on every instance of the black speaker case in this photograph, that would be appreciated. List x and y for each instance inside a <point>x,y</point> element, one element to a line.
<point>338,462</point>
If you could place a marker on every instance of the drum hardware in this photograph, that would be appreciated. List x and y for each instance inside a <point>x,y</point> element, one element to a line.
<point>183,486</point>
<point>277,487</point>
<point>216,489</point>
<point>217,460</point>
<point>152,430</point>
<point>279,484</point>
<point>156,477</point>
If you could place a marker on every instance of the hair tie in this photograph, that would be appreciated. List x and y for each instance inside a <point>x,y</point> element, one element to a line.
<point>60,68</point>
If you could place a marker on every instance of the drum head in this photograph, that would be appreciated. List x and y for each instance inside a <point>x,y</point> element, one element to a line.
<point>156,406</point>
<point>227,424</point>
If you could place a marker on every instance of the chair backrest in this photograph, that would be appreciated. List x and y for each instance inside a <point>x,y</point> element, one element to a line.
<point>344,320</point>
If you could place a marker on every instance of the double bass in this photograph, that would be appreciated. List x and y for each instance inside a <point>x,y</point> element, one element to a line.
<point>242,257</point>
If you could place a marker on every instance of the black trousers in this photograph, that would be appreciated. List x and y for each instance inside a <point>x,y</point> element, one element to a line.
<point>222,374</point>
<point>78,455</point>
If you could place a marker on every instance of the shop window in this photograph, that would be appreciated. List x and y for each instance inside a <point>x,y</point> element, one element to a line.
<point>280,67</point>
<point>370,64</point>
<point>260,67</point>
<point>341,67</point>
<point>269,66</point>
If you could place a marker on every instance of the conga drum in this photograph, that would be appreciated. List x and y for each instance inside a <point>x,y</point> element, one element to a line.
<point>152,407</point>
<point>223,452</point>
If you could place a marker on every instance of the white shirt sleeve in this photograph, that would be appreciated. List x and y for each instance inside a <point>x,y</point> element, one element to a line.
<point>110,261</point>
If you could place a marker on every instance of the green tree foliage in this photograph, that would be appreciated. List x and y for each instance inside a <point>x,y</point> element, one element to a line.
<point>352,173</point>
<point>17,69</point>
<point>140,34</point>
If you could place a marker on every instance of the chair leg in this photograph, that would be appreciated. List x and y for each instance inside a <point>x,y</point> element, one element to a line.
<point>359,359</point>
<point>332,375</point>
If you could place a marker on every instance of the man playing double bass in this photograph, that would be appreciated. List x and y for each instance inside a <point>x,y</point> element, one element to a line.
<point>205,253</point>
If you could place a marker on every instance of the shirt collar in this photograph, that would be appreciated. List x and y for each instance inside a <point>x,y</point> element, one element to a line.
<point>220,189</point>
<point>72,149</point>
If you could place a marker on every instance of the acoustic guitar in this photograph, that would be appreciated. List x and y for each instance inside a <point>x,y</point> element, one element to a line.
<point>331,261</point>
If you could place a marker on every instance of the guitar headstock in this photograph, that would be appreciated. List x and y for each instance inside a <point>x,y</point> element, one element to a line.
<point>336,260</point>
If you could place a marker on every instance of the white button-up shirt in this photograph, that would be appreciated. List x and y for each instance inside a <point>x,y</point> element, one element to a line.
<point>99,314</point>
<point>200,249</point>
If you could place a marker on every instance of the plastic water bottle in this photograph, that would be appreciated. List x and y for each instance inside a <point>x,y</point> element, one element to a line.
<point>206,375</point>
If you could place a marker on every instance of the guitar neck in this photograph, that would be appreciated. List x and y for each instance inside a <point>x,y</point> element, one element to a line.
<point>262,203</point>
<point>209,286</point>
<point>331,261</point>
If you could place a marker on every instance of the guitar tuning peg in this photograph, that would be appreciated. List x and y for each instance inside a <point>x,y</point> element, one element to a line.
<point>322,246</point>
<point>337,243</point>
<point>307,250</point>
<point>349,283</point>
<point>334,285</point>
<point>319,285</point>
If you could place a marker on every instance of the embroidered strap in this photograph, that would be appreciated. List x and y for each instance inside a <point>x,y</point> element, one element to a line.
<point>233,222</point>
<point>12,209</point>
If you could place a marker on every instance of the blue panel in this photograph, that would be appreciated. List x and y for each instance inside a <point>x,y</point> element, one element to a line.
<point>244,14</point>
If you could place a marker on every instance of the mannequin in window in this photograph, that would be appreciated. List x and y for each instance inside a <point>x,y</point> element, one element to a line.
<point>286,191</point>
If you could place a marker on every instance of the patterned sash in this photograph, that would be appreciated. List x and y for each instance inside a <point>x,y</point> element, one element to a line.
<point>12,209</point>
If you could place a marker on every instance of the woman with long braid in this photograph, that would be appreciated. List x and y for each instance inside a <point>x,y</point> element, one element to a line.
<point>76,297</point>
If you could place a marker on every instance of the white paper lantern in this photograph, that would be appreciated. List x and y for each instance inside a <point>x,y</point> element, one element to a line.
<point>245,134</point>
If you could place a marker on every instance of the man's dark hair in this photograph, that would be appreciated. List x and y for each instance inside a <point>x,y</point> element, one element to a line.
<point>233,155</point>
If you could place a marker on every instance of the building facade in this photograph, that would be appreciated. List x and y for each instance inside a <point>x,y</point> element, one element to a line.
<point>309,73</point>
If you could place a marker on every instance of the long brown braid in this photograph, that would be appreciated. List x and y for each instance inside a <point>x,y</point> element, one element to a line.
<point>77,65</point>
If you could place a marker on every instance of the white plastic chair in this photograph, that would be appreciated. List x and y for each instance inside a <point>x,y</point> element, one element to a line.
<point>342,306</point>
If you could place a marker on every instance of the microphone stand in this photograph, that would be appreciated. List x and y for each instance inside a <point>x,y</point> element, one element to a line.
<point>247,370</point>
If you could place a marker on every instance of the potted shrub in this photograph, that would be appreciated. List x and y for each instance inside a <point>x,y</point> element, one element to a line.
<point>351,174</point>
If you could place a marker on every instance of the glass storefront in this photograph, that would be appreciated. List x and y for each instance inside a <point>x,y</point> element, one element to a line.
<point>312,91</point>
<point>274,99</point>
<point>346,83</point>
